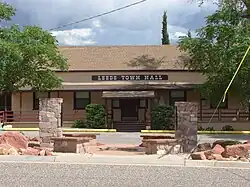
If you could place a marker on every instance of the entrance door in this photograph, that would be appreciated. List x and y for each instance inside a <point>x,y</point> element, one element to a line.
<point>129,111</point>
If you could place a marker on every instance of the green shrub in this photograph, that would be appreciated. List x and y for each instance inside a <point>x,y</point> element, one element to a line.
<point>78,124</point>
<point>227,128</point>
<point>200,128</point>
<point>95,116</point>
<point>162,117</point>
<point>225,143</point>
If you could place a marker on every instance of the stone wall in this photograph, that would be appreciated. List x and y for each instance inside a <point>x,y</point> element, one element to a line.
<point>186,126</point>
<point>49,119</point>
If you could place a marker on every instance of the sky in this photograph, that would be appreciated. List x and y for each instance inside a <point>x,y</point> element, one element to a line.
<point>137,25</point>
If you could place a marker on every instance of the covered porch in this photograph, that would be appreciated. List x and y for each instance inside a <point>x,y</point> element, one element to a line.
<point>128,110</point>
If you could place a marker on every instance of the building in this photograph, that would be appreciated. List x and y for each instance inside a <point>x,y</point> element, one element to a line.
<point>128,81</point>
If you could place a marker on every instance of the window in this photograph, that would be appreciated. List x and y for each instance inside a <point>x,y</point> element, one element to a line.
<point>36,96</point>
<point>116,103</point>
<point>213,103</point>
<point>5,102</point>
<point>81,100</point>
<point>177,95</point>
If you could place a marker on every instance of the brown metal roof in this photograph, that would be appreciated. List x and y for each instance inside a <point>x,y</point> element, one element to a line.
<point>122,57</point>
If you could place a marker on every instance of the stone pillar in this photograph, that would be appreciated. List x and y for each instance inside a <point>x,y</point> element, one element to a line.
<point>186,125</point>
<point>49,120</point>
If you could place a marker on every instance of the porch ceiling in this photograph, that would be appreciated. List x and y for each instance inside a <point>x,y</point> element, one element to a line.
<point>128,94</point>
<point>123,85</point>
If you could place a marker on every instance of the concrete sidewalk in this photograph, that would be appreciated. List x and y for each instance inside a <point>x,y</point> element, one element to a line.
<point>150,160</point>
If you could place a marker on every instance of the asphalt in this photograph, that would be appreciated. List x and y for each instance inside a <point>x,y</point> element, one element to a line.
<point>63,174</point>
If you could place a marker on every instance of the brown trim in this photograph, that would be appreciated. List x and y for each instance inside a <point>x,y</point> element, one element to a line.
<point>110,90</point>
<point>74,99</point>
<point>34,99</point>
<point>170,98</point>
<point>129,70</point>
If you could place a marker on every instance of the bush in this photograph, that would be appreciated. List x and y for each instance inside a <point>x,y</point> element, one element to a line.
<point>200,128</point>
<point>78,124</point>
<point>162,117</point>
<point>95,116</point>
<point>227,128</point>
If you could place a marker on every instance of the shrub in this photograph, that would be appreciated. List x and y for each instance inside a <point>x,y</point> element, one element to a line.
<point>162,117</point>
<point>200,128</point>
<point>227,128</point>
<point>78,124</point>
<point>95,116</point>
<point>225,143</point>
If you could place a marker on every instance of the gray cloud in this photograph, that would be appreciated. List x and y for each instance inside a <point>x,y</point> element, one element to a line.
<point>140,24</point>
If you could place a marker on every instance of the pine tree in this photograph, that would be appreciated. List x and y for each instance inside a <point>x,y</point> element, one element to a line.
<point>165,36</point>
<point>189,34</point>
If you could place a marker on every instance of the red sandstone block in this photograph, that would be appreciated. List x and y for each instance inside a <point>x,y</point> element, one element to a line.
<point>218,149</point>
<point>239,150</point>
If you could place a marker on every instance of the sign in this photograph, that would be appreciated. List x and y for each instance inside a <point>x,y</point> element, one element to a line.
<point>129,77</point>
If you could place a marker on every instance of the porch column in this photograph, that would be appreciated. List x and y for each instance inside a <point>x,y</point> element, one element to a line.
<point>20,105</point>
<point>109,112</point>
<point>148,115</point>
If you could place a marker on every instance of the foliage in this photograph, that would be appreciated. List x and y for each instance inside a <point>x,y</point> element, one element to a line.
<point>200,128</point>
<point>189,34</point>
<point>227,128</point>
<point>162,117</point>
<point>217,51</point>
<point>78,124</point>
<point>165,35</point>
<point>28,57</point>
<point>95,116</point>
<point>6,11</point>
<point>225,143</point>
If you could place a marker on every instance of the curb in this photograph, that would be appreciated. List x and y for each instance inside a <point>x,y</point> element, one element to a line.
<point>199,132</point>
<point>89,130</point>
<point>64,130</point>
<point>214,163</point>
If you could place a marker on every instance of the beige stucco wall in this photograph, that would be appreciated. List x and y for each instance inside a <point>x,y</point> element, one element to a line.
<point>178,76</point>
<point>22,105</point>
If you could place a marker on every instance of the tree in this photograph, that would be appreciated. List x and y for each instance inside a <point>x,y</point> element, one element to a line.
<point>217,51</point>
<point>189,34</point>
<point>165,36</point>
<point>28,56</point>
<point>6,11</point>
<point>246,3</point>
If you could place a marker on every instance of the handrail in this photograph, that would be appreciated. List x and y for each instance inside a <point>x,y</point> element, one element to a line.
<point>222,115</point>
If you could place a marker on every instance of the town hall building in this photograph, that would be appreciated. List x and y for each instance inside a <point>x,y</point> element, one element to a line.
<point>128,81</point>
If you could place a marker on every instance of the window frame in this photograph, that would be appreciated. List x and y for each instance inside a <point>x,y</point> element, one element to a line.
<point>36,100</point>
<point>171,97</point>
<point>75,100</point>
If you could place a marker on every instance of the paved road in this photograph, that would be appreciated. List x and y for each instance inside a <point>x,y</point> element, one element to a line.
<point>55,174</point>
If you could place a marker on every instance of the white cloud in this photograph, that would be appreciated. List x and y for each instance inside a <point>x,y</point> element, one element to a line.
<point>75,37</point>
<point>97,23</point>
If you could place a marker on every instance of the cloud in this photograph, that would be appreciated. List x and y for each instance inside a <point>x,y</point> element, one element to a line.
<point>140,24</point>
<point>75,37</point>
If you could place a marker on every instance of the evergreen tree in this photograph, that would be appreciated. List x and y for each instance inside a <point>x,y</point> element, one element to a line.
<point>165,36</point>
<point>189,34</point>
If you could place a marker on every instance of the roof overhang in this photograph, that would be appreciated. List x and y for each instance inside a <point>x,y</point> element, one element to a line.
<point>123,85</point>
<point>128,94</point>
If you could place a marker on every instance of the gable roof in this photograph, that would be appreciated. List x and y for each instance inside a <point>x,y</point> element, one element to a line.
<point>165,57</point>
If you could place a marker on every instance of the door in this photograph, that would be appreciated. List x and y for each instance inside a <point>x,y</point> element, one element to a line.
<point>129,109</point>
